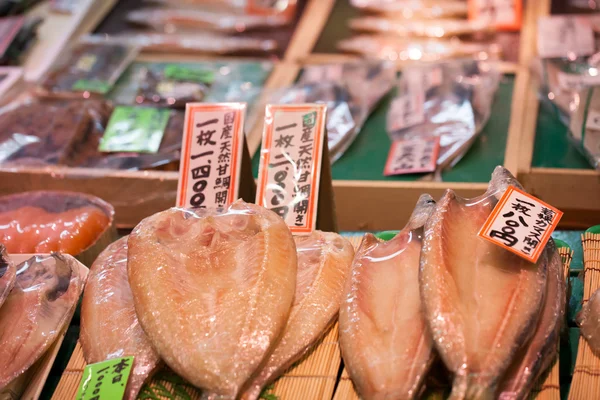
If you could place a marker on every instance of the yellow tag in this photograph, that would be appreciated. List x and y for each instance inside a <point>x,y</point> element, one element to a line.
<point>86,62</point>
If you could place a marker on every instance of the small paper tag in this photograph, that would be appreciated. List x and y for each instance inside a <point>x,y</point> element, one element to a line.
<point>521,223</point>
<point>9,28</point>
<point>135,129</point>
<point>576,81</point>
<point>413,156</point>
<point>94,86</point>
<point>561,36</point>
<point>211,156</point>
<point>407,110</point>
<point>593,120</point>
<point>290,163</point>
<point>105,380</point>
<point>182,73</point>
<point>503,14</point>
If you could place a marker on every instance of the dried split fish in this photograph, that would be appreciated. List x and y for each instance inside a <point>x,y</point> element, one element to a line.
<point>37,310</point>
<point>109,325</point>
<point>588,320</point>
<point>480,301</point>
<point>324,261</point>
<point>383,335</point>
<point>213,291</point>
<point>8,274</point>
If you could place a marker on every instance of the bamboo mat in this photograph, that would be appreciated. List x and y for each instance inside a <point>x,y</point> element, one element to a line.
<point>586,377</point>
<point>314,377</point>
<point>548,386</point>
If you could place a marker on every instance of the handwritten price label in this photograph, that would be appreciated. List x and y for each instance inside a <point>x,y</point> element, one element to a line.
<point>561,36</point>
<point>105,380</point>
<point>412,156</point>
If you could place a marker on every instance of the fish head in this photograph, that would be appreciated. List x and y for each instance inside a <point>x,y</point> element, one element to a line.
<point>49,275</point>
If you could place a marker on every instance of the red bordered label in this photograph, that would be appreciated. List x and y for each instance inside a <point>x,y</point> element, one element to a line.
<point>211,155</point>
<point>502,14</point>
<point>521,223</point>
<point>290,163</point>
<point>413,156</point>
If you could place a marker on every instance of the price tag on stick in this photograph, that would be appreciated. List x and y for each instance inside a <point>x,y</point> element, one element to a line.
<point>562,36</point>
<point>213,154</point>
<point>294,178</point>
<point>502,14</point>
<point>521,223</point>
<point>105,380</point>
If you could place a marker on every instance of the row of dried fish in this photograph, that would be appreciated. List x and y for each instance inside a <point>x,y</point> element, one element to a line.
<point>438,290</point>
<point>228,300</point>
<point>37,300</point>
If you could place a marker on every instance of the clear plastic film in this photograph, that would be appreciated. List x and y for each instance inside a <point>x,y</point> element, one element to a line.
<point>182,20</point>
<point>37,310</point>
<point>324,261</point>
<point>46,221</point>
<point>478,341</point>
<point>8,274</point>
<point>90,66</point>
<point>393,48</point>
<point>414,8</point>
<point>419,28</point>
<point>351,92</point>
<point>242,293</point>
<point>387,353</point>
<point>571,86</point>
<point>450,100</point>
<point>588,320</point>
<point>109,325</point>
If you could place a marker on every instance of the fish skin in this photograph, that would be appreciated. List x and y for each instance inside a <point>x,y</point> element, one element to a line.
<point>36,311</point>
<point>468,287</point>
<point>8,274</point>
<point>588,320</point>
<point>384,340</point>
<point>213,291</point>
<point>534,358</point>
<point>109,325</point>
<point>324,260</point>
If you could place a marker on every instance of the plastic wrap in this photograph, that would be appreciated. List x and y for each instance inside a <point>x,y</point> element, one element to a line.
<point>479,340</point>
<point>324,261</point>
<point>92,65</point>
<point>44,221</point>
<point>198,43</point>
<point>387,353</point>
<point>453,100</point>
<point>420,28</point>
<point>11,51</point>
<point>177,20</point>
<point>351,92</point>
<point>588,320</point>
<point>414,8</point>
<point>8,274</point>
<point>392,48</point>
<point>244,316</point>
<point>109,325</point>
<point>37,311</point>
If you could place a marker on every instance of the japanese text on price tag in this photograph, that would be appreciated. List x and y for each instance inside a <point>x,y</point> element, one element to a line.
<point>290,164</point>
<point>412,156</point>
<point>521,223</point>
<point>211,155</point>
<point>561,36</point>
<point>105,380</point>
<point>503,14</point>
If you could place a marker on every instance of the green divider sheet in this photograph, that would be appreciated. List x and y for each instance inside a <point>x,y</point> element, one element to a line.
<point>552,147</point>
<point>365,158</point>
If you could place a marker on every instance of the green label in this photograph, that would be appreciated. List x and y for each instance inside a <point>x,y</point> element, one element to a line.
<point>105,380</point>
<point>92,86</point>
<point>179,73</point>
<point>135,129</point>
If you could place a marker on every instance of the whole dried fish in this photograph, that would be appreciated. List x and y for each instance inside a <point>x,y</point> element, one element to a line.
<point>539,353</point>
<point>383,335</point>
<point>324,261</point>
<point>8,274</point>
<point>37,310</point>
<point>213,291</point>
<point>588,320</point>
<point>109,325</point>
<point>480,300</point>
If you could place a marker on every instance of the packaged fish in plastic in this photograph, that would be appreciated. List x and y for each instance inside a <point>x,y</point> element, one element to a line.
<point>197,43</point>
<point>450,100</point>
<point>393,48</point>
<point>419,28</point>
<point>180,20</point>
<point>92,65</point>
<point>414,8</point>
<point>351,92</point>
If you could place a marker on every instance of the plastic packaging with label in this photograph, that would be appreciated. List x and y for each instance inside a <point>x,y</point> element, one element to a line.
<point>455,100</point>
<point>351,92</point>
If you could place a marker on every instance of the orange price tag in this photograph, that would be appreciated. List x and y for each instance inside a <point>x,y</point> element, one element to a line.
<point>213,140</point>
<point>502,14</point>
<point>521,223</point>
<point>290,163</point>
<point>286,8</point>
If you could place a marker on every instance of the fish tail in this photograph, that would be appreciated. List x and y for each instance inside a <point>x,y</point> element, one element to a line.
<point>459,386</point>
<point>253,393</point>
<point>480,391</point>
